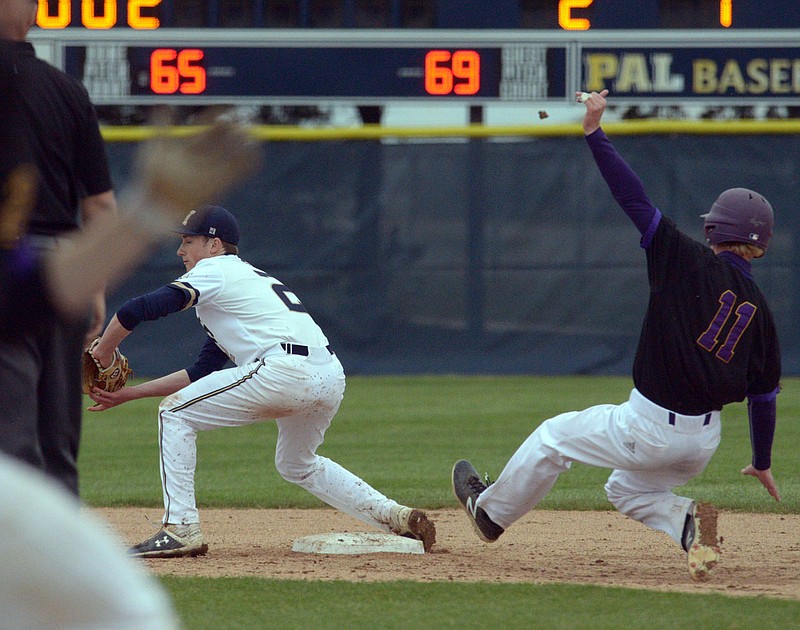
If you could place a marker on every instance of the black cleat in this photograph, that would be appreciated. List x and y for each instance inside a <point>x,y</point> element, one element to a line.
<point>467,486</point>
<point>173,541</point>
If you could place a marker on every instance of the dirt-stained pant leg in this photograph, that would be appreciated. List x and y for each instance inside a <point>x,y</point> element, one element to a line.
<point>301,433</point>
<point>303,394</point>
<point>649,456</point>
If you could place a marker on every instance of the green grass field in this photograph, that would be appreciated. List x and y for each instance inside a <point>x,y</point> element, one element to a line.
<point>418,426</point>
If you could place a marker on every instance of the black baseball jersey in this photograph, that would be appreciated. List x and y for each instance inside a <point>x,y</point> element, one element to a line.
<point>58,127</point>
<point>708,337</point>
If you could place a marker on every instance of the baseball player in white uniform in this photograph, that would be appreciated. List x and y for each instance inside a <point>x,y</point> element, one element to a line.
<point>285,369</point>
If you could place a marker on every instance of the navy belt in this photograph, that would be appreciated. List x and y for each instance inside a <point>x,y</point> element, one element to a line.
<point>294,348</point>
<point>672,419</point>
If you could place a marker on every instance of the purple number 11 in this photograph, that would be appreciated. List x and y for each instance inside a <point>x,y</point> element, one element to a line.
<point>744,315</point>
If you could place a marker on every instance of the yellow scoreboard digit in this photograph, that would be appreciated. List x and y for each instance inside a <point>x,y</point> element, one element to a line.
<point>56,14</point>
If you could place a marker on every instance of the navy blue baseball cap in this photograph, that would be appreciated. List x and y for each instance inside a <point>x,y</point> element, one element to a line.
<point>211,221</point>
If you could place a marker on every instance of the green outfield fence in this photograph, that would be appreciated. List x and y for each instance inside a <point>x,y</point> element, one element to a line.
<point>479,249</point>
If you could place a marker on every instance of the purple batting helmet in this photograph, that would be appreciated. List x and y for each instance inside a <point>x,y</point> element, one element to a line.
<point>739,215</point>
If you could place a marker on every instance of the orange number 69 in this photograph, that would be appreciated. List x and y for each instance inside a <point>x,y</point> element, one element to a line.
<point>442,69</point>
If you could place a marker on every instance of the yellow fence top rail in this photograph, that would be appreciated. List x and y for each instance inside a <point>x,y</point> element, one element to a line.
<point>279,133</point>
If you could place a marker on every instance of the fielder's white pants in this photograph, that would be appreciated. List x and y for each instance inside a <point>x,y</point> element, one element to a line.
<point>650,449</point>
<point>303,394</point>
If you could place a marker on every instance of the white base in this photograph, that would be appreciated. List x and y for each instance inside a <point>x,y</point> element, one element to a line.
<point>355,543</point>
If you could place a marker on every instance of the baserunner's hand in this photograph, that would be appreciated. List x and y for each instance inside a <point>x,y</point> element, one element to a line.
<point>595,106</point>
<point>766,479</point>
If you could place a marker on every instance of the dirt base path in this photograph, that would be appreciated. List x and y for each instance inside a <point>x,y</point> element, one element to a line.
<point>761,552</point>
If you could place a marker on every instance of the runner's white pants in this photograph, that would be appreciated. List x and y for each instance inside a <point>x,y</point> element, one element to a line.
<point>302,394</point>
<point>650,449</point>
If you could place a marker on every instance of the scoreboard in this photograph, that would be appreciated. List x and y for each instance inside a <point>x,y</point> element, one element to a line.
<point>569,15</point>
<point>303,66</point>
<point>747,52</point>
<point>343,70</point>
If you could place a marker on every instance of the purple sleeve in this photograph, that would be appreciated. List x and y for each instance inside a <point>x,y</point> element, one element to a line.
<point>25,299</point>
<point>210,359</point>
<point>625,185</point>
<point>762,412</point>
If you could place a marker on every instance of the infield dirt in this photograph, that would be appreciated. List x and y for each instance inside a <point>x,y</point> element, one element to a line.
<point>760,552</point>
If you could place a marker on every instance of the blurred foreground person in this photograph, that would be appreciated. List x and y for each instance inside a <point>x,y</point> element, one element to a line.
<point>59,566</point>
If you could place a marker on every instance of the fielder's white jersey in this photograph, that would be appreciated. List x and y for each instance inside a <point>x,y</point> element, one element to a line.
<point>245,310</point>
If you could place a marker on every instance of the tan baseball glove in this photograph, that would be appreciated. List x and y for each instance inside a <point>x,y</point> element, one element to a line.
<point>110,378</point>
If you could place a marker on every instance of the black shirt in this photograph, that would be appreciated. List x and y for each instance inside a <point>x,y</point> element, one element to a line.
<point>708,337</point>
<point>58,130</point>
<point>14,149</point>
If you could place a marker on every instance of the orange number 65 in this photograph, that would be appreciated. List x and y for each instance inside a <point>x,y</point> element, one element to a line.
<point>172,71</point>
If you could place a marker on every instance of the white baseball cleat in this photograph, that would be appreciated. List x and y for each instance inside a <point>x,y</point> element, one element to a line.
<point>702,545</point>
<point>412,523</point>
